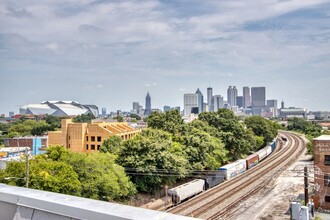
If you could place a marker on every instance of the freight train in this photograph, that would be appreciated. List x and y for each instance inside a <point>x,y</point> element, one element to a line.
<point>192,188</point>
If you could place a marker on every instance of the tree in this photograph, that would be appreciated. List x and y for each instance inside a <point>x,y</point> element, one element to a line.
<point>45,175</point>
<point>98,174</point>
<point>119,118</point>
<point>170,121</point>
<point>150,157</point>
<point>238,140</point>
<point>85,118</point>
<point>111,145</point>
<point>136,116</point>
<point>203,150</point>
<point>261,127</point>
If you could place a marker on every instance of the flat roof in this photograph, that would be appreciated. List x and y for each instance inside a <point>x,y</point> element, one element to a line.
<point>323,138</point>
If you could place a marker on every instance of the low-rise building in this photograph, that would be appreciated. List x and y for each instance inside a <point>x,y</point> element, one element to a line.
<point>37,144</point>
<point>322,175</point>
<point>88,137</point>
<point>286,113</point>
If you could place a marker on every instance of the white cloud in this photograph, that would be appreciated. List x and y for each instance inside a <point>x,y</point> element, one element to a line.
<point>143,42</point>
<point>53,47</point>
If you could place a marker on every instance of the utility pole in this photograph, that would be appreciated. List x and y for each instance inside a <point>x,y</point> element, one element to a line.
<point>306,185</point>
<point>27,169</point>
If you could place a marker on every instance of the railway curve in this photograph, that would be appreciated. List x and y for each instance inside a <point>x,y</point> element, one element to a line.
<point>220,201</point>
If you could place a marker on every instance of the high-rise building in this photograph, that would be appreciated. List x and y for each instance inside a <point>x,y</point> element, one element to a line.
<point>190,101</point>
<point>209,98</point>
<point>148,105</point>
<point>272,103</point>
<point>258,97</point>
<point>200,101</point>
<point>231,95</point>
<point>136,107</point>
<point>11,114</point>
<point>282,104</point>
<point>217,101</point>
<point>104,111</point>
<point>167,108</point>
<point>272,107</point>
<point>239,101</point>
<point>246,97</point>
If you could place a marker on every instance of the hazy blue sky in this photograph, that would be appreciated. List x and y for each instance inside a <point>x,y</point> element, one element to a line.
<point>110,53</point>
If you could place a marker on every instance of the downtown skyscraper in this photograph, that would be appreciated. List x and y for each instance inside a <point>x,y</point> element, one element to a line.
<point>246,97</point>
<point>232,95</point>
<point>209,98</point>
<point>258,97</point>
<point>148,105</point>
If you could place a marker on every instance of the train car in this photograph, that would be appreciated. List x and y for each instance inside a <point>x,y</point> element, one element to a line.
<point>212,180</point>
<point>187,190</point>
<point>262,154</point>
<point>273,144</point>
<point>252,160</point>
<point>268,149</point>
<point>233,169</point>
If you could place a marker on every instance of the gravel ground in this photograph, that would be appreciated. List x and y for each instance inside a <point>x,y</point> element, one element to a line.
<point>273,202</point>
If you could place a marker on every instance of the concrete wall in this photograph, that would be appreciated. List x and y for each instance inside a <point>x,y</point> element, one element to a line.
<point>18,203</point>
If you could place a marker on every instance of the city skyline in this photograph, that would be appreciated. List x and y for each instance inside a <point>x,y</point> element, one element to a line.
<point>111,53</point>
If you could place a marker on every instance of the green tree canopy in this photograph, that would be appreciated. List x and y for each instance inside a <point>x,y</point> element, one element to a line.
<point>238,140</point>
<point>170,121</point>
<point>100,177</point>
<point>262,127</point>
<point>85,118</point>
<point>111,145</point>
<point>150,152</point>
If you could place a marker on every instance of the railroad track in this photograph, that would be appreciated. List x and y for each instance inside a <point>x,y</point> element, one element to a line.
<point>220,201</point>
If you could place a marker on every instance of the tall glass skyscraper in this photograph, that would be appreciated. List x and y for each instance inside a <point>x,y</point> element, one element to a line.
<point>258,97</point>
<point>148,105</point>
<point>246,97</point>
<point>209,98</point>
<point>231,95</point>
<point>200,101</point>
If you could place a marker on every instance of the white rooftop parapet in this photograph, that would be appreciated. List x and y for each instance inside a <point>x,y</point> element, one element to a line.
<point>22,203</point>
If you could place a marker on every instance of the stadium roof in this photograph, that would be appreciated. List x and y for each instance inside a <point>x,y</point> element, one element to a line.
<point>58,108</point>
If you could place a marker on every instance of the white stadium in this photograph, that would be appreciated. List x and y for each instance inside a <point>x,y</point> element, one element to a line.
<point>58,108</point>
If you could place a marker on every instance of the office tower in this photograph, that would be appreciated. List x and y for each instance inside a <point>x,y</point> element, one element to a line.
<point>209,98</point>
<point>167,108</point>
<point>272,103</point>
<point>231,95</point>
<point>217,101</point>
<point>136,107</point>
<point>282,104</point>
<point>200,101</point>
<point>104,111</point>
<point>239,101</point>
<point>246,97</point>
<point>148,105</point>
<point>258,97</point>
<point>11,114</point>
<point>272,106</point>
<point>190,101</point>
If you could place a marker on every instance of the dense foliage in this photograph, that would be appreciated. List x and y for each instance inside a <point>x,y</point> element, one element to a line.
<point>171,149</point>
<point>24,127</point>
<point>168,150</point>
<point>89,175</point>
<point>310,129</point>
<point>262,127</point>
<point>84,118</point>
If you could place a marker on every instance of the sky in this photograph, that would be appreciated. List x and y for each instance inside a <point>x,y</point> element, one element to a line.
<point>111,53</point>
